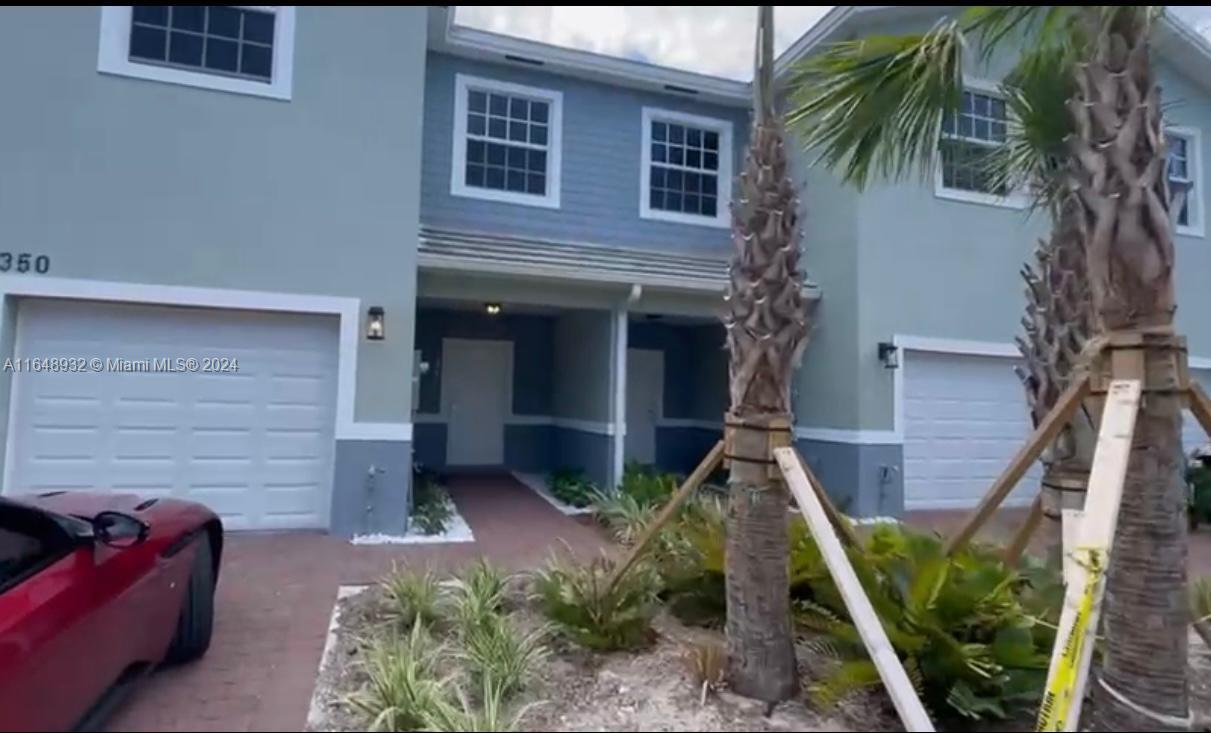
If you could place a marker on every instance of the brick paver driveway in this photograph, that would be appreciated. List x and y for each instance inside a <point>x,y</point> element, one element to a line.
<point>275,598</point>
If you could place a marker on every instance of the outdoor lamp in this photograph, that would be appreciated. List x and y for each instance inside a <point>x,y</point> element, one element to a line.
<point>889,354</point>
<point>375,328</point>
<point>492,308</point>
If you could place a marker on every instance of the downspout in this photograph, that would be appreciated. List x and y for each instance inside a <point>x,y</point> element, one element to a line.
<point>621,313</point>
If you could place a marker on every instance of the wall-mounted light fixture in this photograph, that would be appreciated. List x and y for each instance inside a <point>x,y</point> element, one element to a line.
<point>492,309</point>
<point>376,328</point>
<point>889,354</point>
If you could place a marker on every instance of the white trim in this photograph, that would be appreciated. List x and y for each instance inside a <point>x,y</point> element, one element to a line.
<point>348,310</point>
<point>385,431</point>
<point>689,422</point>
<point>1017,199</point>
<point>463,83</point>
<point>1194,154</point>
<point>584,426</point>
<point>954,346</point>
<point>529,420</point>
<point>113,57</point>
<point>619,341</point>
<point>854,437</point>
<point>723,198</point>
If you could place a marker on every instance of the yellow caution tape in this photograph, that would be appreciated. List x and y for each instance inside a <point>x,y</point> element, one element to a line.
<point>1059,694</point>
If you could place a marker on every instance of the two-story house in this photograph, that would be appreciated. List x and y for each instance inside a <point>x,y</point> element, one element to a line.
<point>381,237</point>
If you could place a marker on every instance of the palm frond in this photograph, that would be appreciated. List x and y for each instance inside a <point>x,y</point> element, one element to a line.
<point>875,106</point>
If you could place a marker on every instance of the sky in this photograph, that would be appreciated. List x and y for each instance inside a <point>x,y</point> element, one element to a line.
<point>710,39</point>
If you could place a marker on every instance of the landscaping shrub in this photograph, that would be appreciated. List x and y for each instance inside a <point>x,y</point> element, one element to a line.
<point>572,487</point>
<point>477,595</point>
<point>402,690</point>
<point>464,715</point>
<point>414,597</point>
<point>577,600</point>
<point>623,515</point>
<point>500,656</point>
<point>707,663</point>
<point>1200,609</point>
<point>432,507</point>
<point>967,628</point>
<point>646,485</point>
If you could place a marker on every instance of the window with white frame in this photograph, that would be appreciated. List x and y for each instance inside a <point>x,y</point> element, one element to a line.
<point>506,142</point>
<point>687,162</point>
<point>1184,177</point>
<point>968,137</point>
<point>236,48</point>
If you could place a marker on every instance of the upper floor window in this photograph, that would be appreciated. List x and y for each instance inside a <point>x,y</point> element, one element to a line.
<point>967,139</point>
<point>243,49</point>
<point>687,168</point>
<point>1185,175</point>
<point>506,142</point>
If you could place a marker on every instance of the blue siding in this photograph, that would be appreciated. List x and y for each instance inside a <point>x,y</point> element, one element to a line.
<point>680,450</point>
<point>429,444</point>
<point>602,137</point>
<point>530,448</point>
<point>532,338</point>
<point>588,452</point>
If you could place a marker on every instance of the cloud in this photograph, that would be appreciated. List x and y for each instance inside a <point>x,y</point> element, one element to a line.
<point>704,38</point>
<point>709,39</point>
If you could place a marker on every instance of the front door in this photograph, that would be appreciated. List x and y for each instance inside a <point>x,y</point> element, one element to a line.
<point>477,389</point>
<point>645,393</point>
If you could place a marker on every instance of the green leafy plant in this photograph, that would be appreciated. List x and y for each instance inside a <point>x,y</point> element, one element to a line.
<point>432,507</point>
<point>579,600</point>
<point>972,633</point>
<point>463,714</point>
<point>402,690</point>
<point>572,487</point>
<point>646,485</point>
<point>1200,609</point>
<point>495,651</point>
<point>413,597</point>
<point>622,514</point>
<point>477,595</point>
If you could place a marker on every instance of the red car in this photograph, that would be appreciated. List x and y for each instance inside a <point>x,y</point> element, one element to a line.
<point>95,590</point>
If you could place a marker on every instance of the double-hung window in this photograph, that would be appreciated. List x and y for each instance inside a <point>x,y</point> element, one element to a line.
<point>687,168</point>
<point>1185,177</point>
<point>968,138</point>
<point>247,49</point>
<point>506,142</point>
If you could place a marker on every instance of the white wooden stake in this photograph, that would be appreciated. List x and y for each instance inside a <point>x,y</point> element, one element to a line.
<point>1068,675</point>
<point>891,671</point>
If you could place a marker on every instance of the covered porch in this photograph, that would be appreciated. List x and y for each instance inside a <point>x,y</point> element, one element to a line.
<point>535,357</point>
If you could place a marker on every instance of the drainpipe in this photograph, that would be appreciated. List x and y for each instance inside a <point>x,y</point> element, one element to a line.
<point>620,381</point>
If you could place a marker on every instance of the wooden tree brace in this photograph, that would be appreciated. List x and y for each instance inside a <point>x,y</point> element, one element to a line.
<point>1014,552</point>
<point>692,482</point>
<point>1200,406</point>
<point>1038,441</point>
<point>1165,370</point>
<point>753,440</point>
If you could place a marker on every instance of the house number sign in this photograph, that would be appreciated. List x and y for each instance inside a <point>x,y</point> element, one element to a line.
<point>24,262</point>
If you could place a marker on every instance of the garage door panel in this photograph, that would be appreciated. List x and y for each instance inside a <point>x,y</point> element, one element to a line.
<point>964,418</point>
<point>256,445</point>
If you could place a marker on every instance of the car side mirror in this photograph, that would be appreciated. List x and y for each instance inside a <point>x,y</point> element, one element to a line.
<point>119,530</point>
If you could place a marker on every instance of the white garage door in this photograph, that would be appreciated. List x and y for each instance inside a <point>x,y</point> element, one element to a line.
<point>964,418</point>
<point>255,444</point>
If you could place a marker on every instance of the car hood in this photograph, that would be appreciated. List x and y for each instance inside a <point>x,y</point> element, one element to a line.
<point>84,503</point>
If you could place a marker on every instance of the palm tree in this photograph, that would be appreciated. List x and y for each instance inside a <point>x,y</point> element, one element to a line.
<point>842,115</point>
<point>766,322</point>
<point>875,107</point>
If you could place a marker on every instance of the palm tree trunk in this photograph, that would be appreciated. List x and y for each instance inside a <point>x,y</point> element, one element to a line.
<point>766,324</point>
<point>1122,183</point>
<point>1055,328</point>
